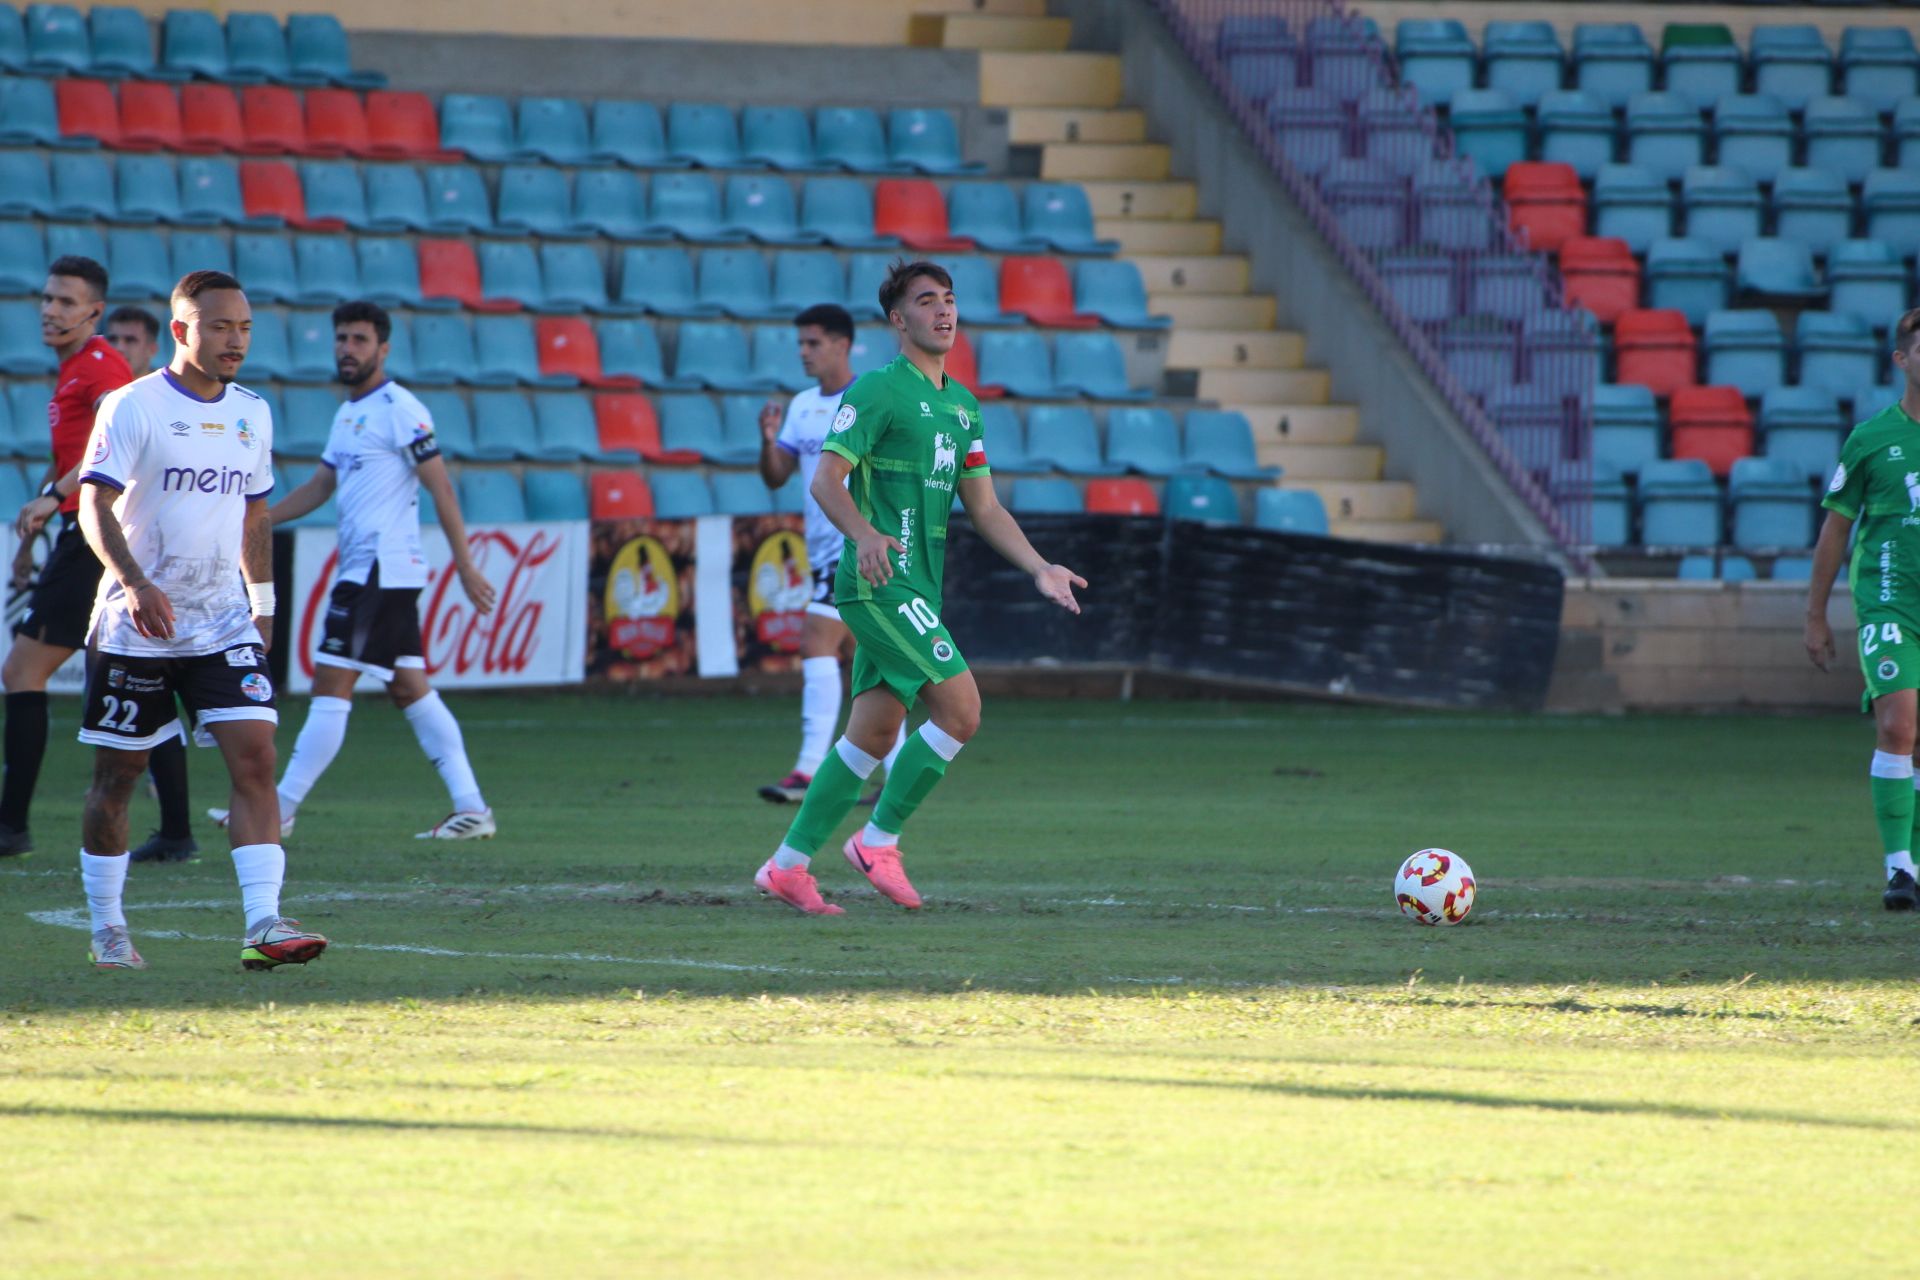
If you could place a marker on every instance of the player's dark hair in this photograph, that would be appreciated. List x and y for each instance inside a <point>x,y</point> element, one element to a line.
<point>361,311</point>
<point>828,316</point>
<point>1905,328</point>
<point>195,283</point>
<point>902,273</point>
<point>137,315</point>
<point>81,268</point>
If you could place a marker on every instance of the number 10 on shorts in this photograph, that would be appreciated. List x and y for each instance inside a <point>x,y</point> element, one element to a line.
<point>920,614</point>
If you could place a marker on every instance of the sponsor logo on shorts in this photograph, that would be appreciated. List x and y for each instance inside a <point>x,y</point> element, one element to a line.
<point>257,687</point>
<point>1889,669</point>
<point>245,656</point>
<point>843,420</point>
<point>116,677</point>
<point>942,651</point>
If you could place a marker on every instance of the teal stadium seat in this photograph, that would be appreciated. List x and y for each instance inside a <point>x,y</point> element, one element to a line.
<point>13,40</point>
<point>1868,280</point>
<point>1700,62</point>
<point>564,428</point>
<point>1772,504</point>
<point>505,351</point>
<point>256,49</point>
<point>534,201</point>
<point>1422,282</point>
<point>865,272</point>
<point>1753,133</point>
<point>687,205</point>
<point>1489,128</point>
<point>1609,519</point>
<point>612,203</point>
<point>310,345</point>
<point>1791,62</point>
<point>704,134</point>
<point>1704,568</point>
<point>23,259</point>
<point>1631,204</point>
<point>264,264</point>
<point>1906,134</point>
<point>390,271</point>
<point>1060,214</point>
<point>481,125</point>
<point>396,199</point>
<point>1801,426</point>
<point>871,351</point>
<point>1772,267</point>
<point>1793,569</point>
<point>680,495</point>
<point>736,281</point>
<point>1144,440</point>
<point>303,422</point>
<point>740,428</point>
<point>1113,290</point>
<point>1065,438</point>
<point>1612,59</point>
<point>1744,349</point>
<point>740,493</point>
<point>790,498</point>
<point>1046,496</point>
<point>333,191</point>
<point>442,349</point>
<point>503,428</point>
<point>1092,365</point>
<point>800,280</point>
<point>1311,126</point>
<point>21,351</point>
<point>1260,53</point>
<point>555,495</point>
<point>555,129</point>
<point>1722,206</point>
<point>122,43</point>
<point>26,190</point>
<point>691,424</point>
<point>1221,441</point>
<point>269,355</point>
<point>762,206</point>
<point>630,133</point>
<point>1576,128</point>
<point>1290,511</point>
<point>776,358</point>
<point>27,403</point>
<point>851,138</point>
<point>192,44</point>
<point>147,189</point>
<point>400,348</point>
<point>490,496</point>
<point>456,199</point>
<point>777,136</point>
<point>988,213</point>
<point>1005,437</point>
<point>1891,198</point>
<point>83,186</point>
<point>1200,498</point>
<point>318,54</point>
<point>64,240</point>
<point>1524,59</point>
<point>1665,133</point>
<point>630,349</point>
<point>1679,504</point>
<point>1626,426</point>
<point>714,356</point>
<point>1436,58</point>
<point>1479,350</point>
<point>574,280</point>
<point>840,211</point>
<point>976,289</point>
<point>509,275</point>
<point>325,270</point>
<point>1837,351</point>
<point>452,424</point>
<point>1019,361</point>
<point>1842,136</point>
<point>1812,206</point>
<point>57,42</point>
<point>660,280</point>
<point>925,139</point>
<point>1878,65</point>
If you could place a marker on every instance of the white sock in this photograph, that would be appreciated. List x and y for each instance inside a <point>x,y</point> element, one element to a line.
<point>439,735</point>
<point>260,868</point>
<point>1901,861</point>
<point>103,878</point>
<point>944,745</point>
<point>1891,764</point>
<point>899,741</point>
<point>318,743</point>
<point>855,759</point>
<point>819,711</point>
<point>786,857</point>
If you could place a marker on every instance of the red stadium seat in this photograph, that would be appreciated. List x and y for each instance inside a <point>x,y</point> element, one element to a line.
<point>1655,349</point>
<point>1712,424</point>
<point>914,210</point>
<point>964,367</point>
<point>336,123</point>
<point>1041,290</point>
<point>448,269</point>
<point>1600,274</point>
<point>627,421</point>
<point>271,189</point>
<point>1546,201</point>
<point>404,126</point>
<point>209,118</point>
<point>149,117</point>
<point>1127,497</point>
<point>271,121</point>
<point>87,110</point>
<point>620,495</point>
<point>567,346</point>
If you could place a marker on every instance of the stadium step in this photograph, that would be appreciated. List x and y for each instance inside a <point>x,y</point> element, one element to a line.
<point>1425,533</point>
<point>1160,235</point>
<point>1264,386</point>
<point>1303,462</point>
<point>1074,161</point>
<point>1193,273</point>
<point>1034,126</point>
<point>1023,79</point>
<point>1142,199</point>
<point>988,31</point>
<point>1363,500</point>
<point>1231,349</point>
<point>1214,310</point>
<point>1301,423</point>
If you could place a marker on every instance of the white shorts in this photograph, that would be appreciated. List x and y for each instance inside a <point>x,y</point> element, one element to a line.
<point>822,606</point>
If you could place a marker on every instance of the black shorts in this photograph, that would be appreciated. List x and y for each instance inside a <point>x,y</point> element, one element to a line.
<point>131,699</point>
<point>61,605</point>
<point>822,606</point>
<point>372,629</point>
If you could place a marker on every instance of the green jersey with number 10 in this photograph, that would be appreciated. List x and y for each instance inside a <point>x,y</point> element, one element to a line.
<point>910,443</point>
<point>1878,484</point>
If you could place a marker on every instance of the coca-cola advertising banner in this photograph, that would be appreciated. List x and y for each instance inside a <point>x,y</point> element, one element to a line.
<point>535,635</point>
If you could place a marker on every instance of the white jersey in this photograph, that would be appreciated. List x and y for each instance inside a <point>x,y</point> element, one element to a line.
<point>809,416</point>
<point>377,442</point>
<point>186,468</point>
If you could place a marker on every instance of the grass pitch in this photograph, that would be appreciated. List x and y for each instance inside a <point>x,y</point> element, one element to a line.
<point>1159,1018</point>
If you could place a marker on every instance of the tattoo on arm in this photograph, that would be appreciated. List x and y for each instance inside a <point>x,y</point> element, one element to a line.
<point>256,547</point>
<point>108,540</point>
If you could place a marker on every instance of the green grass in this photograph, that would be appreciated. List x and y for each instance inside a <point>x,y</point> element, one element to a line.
<point>1159,1018</point>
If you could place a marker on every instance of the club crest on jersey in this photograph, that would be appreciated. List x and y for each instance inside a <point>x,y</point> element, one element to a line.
<point>243,433</point>
<point>179,428</point>
<point>1893,451</point>
<point>966,422</point>
<point>1839,479</point>
<point>942,651</point>
<point>257,687</point>
<point>101,447</point>
<point>1889,669</point>
<point>360,424</point>
<point>843,420</point>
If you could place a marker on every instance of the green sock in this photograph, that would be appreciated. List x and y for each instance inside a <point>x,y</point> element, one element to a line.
<point>916,772</point>
<point>830,798</point>
<point>1892,813</point>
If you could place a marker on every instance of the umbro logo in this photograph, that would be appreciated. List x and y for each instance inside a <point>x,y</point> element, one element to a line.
<point>179,428</point>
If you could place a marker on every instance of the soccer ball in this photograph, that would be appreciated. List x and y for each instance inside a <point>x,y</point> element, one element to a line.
<point>1434,886</point>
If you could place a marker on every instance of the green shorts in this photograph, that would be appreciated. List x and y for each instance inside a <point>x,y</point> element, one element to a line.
<point>901,646</point>
<point>1889,659</point>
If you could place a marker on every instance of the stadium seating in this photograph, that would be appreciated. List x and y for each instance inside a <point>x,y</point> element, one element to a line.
<point>1290,511</point>
<point>1801,426</point>
<point>1436,57</point>
<point>1190,497</point>
<point>1780,270</point>
<point>1122,497</point>
<point>1600,274</point>
<point>1688,276</point>
<point>1711,424</point>
<point>1679,504</point>
<point>619,495</point>
<point>1771,507</point>
<point>1868,280</point>
<point>1746,350</point>
<point>1754,134</point>
<point>1655,349</point>
<point>1609,521</point>
<point>1879,66</point>
<point>1626,426</point>
<point>1842,136</point>
<point>630,349</point>
<point>680,495</point>
<point>1631,204</point>
<point>534,200</point>
<point>1577,130</point>
<point>1046,495</point>
<point>1312,126</point>
<point>1612,60</point>
<point>1792,63</point>
<point>850,138</point>
<point>1812,206</point>
<point>1723,568</point>
<point>1700,62</point>
<point>1722,206</point>
<point>1837,351</point>
<point>1524,60</point>
<point>491,497</point>
<point>1891,199</point>
<point>1490,128</point>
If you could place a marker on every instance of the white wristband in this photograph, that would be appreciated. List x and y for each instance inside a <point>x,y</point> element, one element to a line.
<point>260,599</point>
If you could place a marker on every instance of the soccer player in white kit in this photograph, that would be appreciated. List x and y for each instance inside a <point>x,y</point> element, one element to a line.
<point>790,442</point>
<point>176,477</point>
<point>381,450</point>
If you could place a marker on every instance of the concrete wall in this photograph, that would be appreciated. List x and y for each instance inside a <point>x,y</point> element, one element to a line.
<point>1646,646</point>
<point>1399,407</point>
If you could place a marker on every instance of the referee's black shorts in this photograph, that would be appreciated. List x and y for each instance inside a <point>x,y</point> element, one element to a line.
<point>61,604</point>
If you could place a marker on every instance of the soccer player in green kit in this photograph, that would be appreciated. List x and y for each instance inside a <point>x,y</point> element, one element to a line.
<point>905,440</point>
<point>1878,484</point>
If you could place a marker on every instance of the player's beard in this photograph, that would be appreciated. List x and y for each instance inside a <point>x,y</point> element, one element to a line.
<point>358,378</point>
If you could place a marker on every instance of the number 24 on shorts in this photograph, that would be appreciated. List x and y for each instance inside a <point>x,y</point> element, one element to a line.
<point>1870,642</point>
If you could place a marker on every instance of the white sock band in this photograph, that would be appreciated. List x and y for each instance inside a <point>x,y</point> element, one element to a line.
<point>1901,861</point>
<point>318,743</point>
<point>899,741</point>
<point>439,735</point>
<point>944,744</point>
<point>857,760</point>
<point>1886,764</point>
<point>819,711</point>
<point>260,869</point>
<point>786,857</point>
<point>103,878</point>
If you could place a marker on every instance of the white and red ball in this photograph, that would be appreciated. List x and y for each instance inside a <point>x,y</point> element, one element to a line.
<point>1434,886</point>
